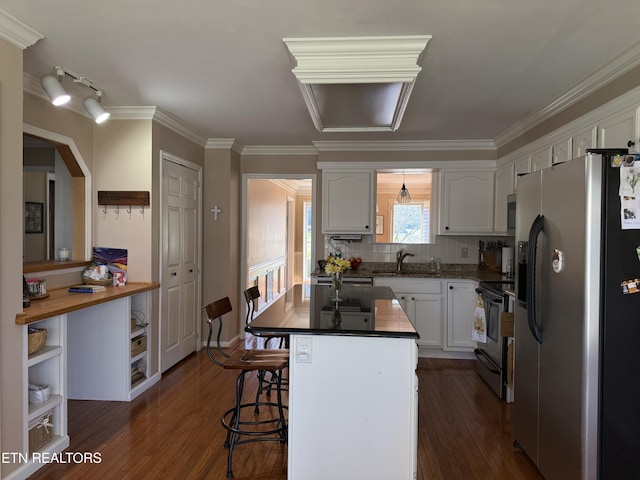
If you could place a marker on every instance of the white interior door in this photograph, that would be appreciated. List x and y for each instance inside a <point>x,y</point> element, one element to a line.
<point>180,289</point>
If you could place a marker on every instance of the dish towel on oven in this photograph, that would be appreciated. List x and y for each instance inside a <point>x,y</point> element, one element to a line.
<point>479,332</point>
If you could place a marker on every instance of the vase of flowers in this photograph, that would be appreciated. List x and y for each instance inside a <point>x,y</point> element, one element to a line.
<point>335,267</point>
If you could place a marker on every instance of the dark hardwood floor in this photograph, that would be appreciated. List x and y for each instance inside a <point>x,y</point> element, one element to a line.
<point>173,430</point>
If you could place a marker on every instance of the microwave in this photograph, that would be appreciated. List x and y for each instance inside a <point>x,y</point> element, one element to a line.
<point>511,214</point>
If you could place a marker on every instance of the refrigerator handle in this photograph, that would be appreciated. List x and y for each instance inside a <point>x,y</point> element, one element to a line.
<point>536,228</point>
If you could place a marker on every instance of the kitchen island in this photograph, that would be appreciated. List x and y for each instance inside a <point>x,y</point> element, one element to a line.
<point>352,382</point>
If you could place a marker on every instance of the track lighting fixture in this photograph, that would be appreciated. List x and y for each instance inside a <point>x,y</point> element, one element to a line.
<point>94,108</point>
<point>403,194</point>
<point>53,88</point>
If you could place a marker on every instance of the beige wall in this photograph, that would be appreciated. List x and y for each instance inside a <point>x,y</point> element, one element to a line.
<point>122,161</point>
<point>11,335</point>
<point>42,114</point>
<point>266,221</point>
<point>221,238</point>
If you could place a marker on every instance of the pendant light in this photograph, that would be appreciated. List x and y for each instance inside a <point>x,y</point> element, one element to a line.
<point>403,194</point>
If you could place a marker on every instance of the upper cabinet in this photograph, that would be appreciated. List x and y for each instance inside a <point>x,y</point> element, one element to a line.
<point>348,201</point>
<point>584,139</point>
<point>541,158</point>
<point>467,202</point>
<point>618,130</point>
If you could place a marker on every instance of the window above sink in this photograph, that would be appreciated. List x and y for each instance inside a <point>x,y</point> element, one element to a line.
<point>409,222</point>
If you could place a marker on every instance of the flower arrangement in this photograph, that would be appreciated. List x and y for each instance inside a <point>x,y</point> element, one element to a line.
<point>336,265</point>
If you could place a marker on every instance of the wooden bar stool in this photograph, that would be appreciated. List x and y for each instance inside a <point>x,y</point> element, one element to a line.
<point>273,428</point>
<point>251,295</point>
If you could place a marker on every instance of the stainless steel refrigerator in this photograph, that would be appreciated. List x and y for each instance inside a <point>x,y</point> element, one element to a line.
<point>577,324</point>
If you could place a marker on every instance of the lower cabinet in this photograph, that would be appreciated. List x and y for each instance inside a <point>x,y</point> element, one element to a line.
<point>461,304</point>
<point>425,312</point>
<point>441,311</point>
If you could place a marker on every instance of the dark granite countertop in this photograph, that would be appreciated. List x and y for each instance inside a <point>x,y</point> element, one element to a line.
<point>364,311</point>
<point>421,270</point>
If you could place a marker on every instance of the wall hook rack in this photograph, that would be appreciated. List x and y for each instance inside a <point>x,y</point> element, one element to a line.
<point>117,198</point>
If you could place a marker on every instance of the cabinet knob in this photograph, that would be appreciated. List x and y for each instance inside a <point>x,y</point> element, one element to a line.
<point>630,143</point>
<point>173,274</point>
<point>401,298</point>
<point>366,227</point>
<point>450,287</point>
<point>446,228</point>
<point>413,298</point>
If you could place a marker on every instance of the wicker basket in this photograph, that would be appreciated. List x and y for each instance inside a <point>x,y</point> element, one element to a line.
<point>36,339</point>
<point>91,281</point>
<point>40,432</point>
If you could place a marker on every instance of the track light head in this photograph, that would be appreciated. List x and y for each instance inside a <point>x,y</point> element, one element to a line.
<point>54,90</point>
<point>96,110</point>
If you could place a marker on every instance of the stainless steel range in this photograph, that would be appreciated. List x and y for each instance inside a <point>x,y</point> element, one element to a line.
<point>492,355</point>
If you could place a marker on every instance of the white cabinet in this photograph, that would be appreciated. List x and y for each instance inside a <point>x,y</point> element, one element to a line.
<point>618,131</point>
<point>348,201</point>
<point>467,202</point>
<point>108,358</point>
<point>425,312</point>
<point>504,187</point>
<point>584,139</point>
<point>423,302</point>
<point>541,158</point>
<point>521,166</point>
<point>461,304</point>
<point>562,151</point>
<point>47,367</point>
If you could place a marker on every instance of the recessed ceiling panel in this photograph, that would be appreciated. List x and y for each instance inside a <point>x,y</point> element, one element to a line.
<point>357,105</point>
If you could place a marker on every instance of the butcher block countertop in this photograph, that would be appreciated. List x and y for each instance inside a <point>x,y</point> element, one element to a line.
<point>62,301</point>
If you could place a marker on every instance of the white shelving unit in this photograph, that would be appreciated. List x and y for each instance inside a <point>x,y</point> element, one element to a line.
<point>47,367</point>
<point>99,351</point>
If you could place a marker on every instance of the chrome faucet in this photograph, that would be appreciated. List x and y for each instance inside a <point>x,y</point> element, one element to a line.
<point>400,256</point>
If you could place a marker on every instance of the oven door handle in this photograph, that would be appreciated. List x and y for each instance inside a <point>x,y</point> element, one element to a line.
<point>494,298</point>
<point>486,362</point>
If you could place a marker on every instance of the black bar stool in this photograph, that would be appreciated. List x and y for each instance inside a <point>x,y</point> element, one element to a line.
<point>273,428</point>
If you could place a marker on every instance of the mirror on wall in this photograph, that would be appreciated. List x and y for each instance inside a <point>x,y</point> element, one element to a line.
<point>403,214</point>
<point>47,199</point>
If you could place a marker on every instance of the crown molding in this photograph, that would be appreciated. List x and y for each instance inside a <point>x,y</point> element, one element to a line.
<point>422,165</point>
<point>617,67</point>
<point>279,150</point>
<point>17,33</point>
<point>224,143</point>
<point>404,145</point>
